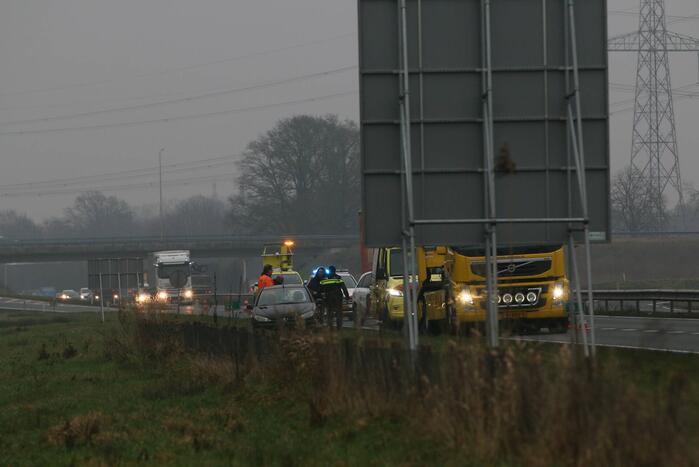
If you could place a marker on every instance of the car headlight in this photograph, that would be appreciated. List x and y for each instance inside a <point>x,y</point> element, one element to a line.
<point>260,318</point>
<point>64,297</point>
<point>395,292</point>
<point>188,294</point>
<point>559,291</point>
<point>465,297</point>
<point>97,297</point>
<point>162,295</point>
<point>116,296</point>
<point>308,314</point>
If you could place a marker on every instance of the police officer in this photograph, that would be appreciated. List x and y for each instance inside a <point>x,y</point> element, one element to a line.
<point>334,289</point>
<point>314,283</point>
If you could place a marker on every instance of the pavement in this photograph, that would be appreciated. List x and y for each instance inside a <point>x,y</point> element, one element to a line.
<point>40,305</point>
<point>661,334</point>
<point>679,335</point>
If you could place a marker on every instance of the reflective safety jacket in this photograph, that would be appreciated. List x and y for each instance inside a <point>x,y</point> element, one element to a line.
<point>334,286</point>
<point>264,281</point>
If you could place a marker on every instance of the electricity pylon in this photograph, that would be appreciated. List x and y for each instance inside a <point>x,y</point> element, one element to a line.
<point>654,155</point>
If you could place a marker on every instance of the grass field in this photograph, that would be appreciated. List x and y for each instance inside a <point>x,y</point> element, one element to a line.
<point>74,391</point>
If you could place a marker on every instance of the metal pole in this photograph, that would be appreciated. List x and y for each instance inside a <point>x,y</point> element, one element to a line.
<point>119,283</point>
<point>492,325</point>
<point>580,159</point>
<point>578,295</point>
<point>409,268</point>
<point>101,298</point>
<point>160,179</point>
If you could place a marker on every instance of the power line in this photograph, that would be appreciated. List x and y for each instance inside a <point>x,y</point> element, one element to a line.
<point>184,68</point>
<point>148,171</point>
<point>181,117</point>
<point>128,186</point>
<point>206,95</point>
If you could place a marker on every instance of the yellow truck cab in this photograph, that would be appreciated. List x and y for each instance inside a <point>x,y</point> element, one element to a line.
<point>532,286</point>
<point>386,302</point>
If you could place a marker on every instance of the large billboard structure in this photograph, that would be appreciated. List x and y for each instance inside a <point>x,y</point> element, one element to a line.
<point>498,110</point>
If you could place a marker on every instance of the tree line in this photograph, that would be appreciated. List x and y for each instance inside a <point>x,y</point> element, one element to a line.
<point>302,176</point>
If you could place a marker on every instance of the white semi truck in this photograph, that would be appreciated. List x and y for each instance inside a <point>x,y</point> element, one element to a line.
<point>167,271</point>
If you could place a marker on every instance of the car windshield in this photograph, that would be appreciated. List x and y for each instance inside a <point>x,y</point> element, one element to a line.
<point>282,295</point>
<point>166,270</point>
<point>292,279</point>
<point>349,281</point>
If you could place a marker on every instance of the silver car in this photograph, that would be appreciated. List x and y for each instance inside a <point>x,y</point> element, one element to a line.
<point>361,296</point>
<point>282,304</point>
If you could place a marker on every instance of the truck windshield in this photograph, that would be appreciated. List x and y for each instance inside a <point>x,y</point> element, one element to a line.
<point>165,270</point>
<point>396,263</point>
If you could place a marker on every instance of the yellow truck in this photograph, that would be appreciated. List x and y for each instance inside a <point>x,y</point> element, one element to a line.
<point>532,287</point>
<point>281,257</point>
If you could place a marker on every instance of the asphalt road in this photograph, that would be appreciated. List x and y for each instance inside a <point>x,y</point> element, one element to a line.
<point>662,334</point>
<point>665,334</point>
<point>39,305</point>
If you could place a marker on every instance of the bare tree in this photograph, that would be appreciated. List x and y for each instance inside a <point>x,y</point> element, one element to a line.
<point>633,205</point>
<point>94,214</point>
<point>301,176</point>
<point>16,225</point>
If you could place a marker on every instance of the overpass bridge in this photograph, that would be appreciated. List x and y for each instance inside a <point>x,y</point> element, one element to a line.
<point>78,249</point>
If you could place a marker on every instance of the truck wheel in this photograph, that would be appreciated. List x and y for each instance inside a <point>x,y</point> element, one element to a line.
<point>559,326</point>
<point>384,321</point>
<point>451,326</point>
<point>423,324</point>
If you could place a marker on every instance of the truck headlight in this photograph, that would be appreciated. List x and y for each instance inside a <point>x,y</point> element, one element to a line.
<point>188,294</point>
<point>559,291</point>
<point>142,298</point>
<point>395,292</point>
<point>162,295</point>
<point>465,297</point>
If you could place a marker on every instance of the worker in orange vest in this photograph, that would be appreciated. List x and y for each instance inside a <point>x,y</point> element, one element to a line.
<point>265,279</point>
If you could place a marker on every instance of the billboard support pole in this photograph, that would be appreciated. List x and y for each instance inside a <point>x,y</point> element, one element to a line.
<point>491,248</point>
<point>576,134</point>
<point>409,269</point>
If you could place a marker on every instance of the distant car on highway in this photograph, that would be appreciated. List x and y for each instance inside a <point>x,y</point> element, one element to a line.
<point>282,304</point>
<point>68,294</point>
<point>85,294</point>
<point>362,295</point>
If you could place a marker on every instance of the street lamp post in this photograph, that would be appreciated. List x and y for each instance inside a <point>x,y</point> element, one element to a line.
<point>160,178</point>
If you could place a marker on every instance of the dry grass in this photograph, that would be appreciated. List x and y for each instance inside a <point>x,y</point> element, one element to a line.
<point>518,406</point>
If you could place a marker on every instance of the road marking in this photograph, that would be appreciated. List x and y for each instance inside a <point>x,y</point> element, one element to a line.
<point>654,349</point>
<point>628,330</point>
<point>676,332</point>
<point>695,333</point>
<point>651,330</point>
<point>645,317</point>
<point>608,329</point>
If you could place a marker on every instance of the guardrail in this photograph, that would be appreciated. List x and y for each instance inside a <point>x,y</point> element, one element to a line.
<point>666,299</point>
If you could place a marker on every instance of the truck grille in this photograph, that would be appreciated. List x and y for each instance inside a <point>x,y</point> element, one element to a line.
<point>516,268</point>
<point>532,297</point>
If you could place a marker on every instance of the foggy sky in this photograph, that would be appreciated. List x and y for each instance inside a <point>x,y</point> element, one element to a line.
<point>72,56</point>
